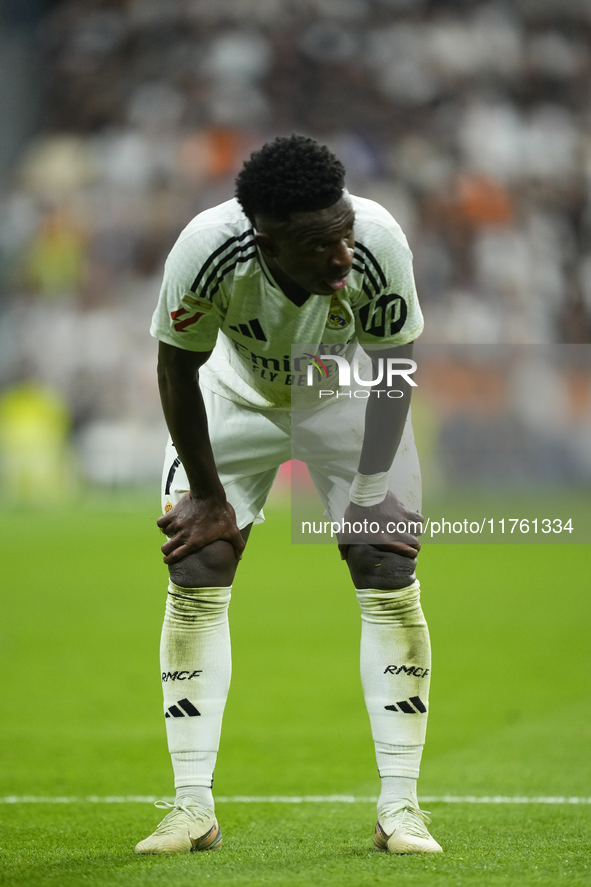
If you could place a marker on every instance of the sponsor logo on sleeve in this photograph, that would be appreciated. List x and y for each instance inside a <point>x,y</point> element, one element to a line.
<point>384,316</point>
<point>190,312</point>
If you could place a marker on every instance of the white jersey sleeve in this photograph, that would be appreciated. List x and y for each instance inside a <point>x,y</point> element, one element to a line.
<point>386,306</point>
<point>198,277</point>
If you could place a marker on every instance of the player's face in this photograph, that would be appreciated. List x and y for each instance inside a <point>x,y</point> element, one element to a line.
<point>314,250</point>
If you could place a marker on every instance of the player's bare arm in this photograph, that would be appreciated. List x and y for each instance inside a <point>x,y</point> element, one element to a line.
<point>384,425</point>
<point>384,418</point>
<point>203,515</point>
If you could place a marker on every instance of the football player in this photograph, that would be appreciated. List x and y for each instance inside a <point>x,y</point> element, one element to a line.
<point>293,259</point>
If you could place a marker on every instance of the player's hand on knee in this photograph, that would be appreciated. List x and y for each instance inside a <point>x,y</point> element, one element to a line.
<point>194,523</point>
<point>389,526</point>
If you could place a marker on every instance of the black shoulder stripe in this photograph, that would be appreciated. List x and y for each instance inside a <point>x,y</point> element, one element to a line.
<point>367,272</point>
<point>373,282</point>
<point>359,268</point>
<point>374,262</point>
<point>219,271</point>
<point>367,291</point>
<point>228,243</point>
<point>231,267</point>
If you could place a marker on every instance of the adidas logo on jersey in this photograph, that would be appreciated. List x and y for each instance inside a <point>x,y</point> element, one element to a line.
<point>188,710</point>
<point>252,329</point>
<point>406,707</point>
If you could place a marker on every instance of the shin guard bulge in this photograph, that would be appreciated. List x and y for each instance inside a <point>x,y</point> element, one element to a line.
<point>196,665</point>
<point>395,674</point>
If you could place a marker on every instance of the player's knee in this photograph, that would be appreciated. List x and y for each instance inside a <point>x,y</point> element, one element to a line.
<point>372,568</point>
<point>212,566</point>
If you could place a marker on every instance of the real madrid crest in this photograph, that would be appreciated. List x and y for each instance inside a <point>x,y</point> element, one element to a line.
<point>339,314</point>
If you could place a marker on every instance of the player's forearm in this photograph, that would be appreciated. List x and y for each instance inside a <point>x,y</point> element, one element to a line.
<point>385,418</point>
<point>384,424</point>
<point>184,411</point>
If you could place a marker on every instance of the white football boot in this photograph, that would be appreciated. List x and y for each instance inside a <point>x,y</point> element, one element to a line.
<point>405,832</point>
<point>186,829</point>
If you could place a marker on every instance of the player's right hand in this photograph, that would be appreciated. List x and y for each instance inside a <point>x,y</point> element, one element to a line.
<point>194,523</point>
<point>389,513</point>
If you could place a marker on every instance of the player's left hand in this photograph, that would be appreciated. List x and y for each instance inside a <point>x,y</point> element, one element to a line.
<point>392,518</point>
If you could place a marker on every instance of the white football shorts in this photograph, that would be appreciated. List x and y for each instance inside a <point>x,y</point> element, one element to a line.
<point>249,445</point>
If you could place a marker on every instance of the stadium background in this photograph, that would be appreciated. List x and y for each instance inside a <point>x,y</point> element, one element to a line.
<point>471,123</point>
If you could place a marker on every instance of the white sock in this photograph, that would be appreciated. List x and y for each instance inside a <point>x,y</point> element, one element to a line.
<point>398,791</point>
<point>395,674</point>
<point>196,796</point>
<point>196,664</point>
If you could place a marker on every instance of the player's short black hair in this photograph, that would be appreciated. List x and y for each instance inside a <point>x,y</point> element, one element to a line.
<point>290,174</point>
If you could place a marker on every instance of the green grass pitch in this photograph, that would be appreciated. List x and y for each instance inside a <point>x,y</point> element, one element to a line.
<point>83,596</point>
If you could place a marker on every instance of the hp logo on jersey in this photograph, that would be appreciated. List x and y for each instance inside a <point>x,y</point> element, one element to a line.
<point>384,316</point>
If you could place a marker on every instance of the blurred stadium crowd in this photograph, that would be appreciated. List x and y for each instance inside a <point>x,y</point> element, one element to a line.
<point>470,121</point>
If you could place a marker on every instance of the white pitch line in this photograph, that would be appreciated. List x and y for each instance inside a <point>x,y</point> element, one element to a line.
<point>502,799</point>
<point>295,799</point>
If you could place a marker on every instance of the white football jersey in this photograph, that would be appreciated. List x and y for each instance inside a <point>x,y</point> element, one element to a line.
<point>218,294</point>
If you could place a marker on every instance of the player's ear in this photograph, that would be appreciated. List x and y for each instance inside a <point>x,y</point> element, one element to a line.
<point>266,244</point>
